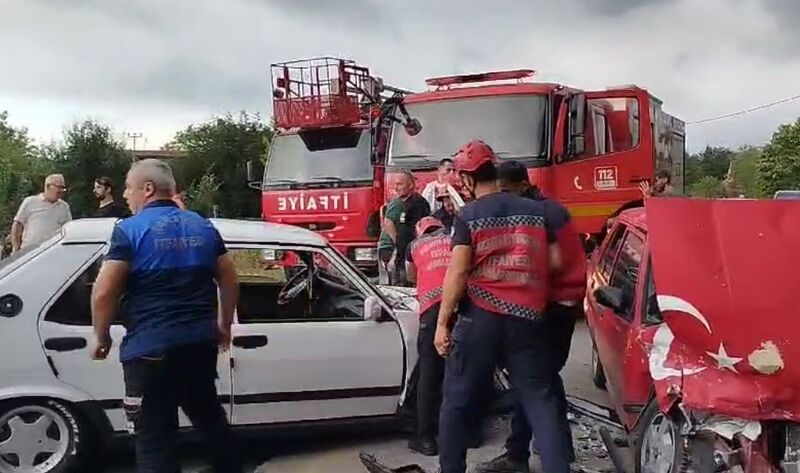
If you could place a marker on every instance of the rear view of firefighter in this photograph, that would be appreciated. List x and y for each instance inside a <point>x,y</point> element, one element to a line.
<point>427,259</point>
<point>504,250</point>
<point>567,291</point>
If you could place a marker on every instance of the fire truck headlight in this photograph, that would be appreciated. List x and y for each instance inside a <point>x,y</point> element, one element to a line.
<point>366,254</point>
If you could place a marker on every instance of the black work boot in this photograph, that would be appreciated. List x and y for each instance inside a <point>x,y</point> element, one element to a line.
<point>423,446</point>
<point>503,464</point>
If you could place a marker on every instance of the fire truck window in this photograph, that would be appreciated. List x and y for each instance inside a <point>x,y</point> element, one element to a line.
<point>610,254</point>
<point>612,125</point>
<point>626,271</point>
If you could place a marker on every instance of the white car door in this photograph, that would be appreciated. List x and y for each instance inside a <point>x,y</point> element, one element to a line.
<point>302,361</point>
<point>65,326</point>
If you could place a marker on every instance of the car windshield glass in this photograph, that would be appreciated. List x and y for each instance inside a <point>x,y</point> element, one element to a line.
<point>25,255</point>
<point>513,126</point>
<point>322,156</point>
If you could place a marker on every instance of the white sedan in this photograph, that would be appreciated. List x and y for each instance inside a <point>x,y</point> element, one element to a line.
<point>313,342</point>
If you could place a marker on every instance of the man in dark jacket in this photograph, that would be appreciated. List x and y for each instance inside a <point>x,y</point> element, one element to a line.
<point>564,306</point>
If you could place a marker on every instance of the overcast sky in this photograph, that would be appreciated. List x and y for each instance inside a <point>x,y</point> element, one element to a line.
<point>155,66</point>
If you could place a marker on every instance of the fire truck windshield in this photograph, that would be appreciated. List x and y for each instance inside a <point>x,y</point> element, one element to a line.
<point>513,125</point>
<point>328,157</point>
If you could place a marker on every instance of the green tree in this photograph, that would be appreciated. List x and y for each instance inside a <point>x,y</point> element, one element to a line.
<point>202,195</point>
<point>221,148</point>
<point>22,171</point>
<point>693,171</point>
<point>707,187</point>
<point>89,151</point>
<point>778,167</point>
<point>743,170</point>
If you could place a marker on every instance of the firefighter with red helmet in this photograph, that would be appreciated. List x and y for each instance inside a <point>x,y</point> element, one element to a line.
<point>504,251</point>
<point>567,291</point>
<point>427,259</point>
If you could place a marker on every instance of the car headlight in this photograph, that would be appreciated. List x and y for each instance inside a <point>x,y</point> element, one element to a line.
<point>366,254</point>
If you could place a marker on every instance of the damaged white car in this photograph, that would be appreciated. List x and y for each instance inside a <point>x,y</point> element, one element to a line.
<point>313,342</point>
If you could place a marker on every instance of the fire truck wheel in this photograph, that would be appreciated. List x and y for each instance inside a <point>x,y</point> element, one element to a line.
<point>662,448</point>
<point>598,375</point>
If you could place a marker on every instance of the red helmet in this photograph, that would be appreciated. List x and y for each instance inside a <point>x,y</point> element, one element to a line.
<point>426,223</point>
<point>473,155</point>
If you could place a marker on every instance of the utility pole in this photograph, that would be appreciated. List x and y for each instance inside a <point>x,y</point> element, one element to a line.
<point>134,136</point>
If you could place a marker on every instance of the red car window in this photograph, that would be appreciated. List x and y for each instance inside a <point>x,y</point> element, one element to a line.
<point>610,254</point>
<point>626,270</point>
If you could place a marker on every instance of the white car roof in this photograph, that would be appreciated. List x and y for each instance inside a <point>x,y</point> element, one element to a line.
<point>94,230</point>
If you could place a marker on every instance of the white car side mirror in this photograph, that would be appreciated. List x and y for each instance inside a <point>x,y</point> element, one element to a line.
<point>372,308</point>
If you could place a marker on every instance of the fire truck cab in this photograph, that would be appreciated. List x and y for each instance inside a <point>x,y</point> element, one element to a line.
<point>318,173</point>
<point>589,150</point>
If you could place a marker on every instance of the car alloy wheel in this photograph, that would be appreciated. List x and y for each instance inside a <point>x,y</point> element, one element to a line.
<point>659,445</point>
<point>36,438</point>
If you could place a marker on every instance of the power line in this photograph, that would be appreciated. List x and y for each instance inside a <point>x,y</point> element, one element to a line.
<point>742,112</point>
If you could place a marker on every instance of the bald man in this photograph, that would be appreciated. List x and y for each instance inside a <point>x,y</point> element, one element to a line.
<point>165,268</point>
<point>399,220</point>
<point>41,216</point>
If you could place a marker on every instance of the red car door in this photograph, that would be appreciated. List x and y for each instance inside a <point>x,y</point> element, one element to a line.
<point>613,329</point>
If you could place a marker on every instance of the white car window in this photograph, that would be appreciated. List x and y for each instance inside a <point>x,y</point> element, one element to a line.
<point>73,306</point>
<point>261,281</point>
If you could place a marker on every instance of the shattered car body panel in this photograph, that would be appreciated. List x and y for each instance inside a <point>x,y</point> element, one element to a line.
<point>693,309</point>
<point>729,297</point>
<point>406,309</point>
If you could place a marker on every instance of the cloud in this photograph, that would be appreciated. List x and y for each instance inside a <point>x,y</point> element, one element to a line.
<point>151,63</point>
<point>620,7</point>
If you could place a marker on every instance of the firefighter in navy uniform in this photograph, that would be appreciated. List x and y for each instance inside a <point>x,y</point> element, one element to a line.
<point>427,259</point>
<point>567,291</point>
<point>504,251</point>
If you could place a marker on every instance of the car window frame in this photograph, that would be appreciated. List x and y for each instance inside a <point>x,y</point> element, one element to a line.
<point>619,228</point>
<point>643,312</point>
<point>98,255</point>
<point>333,258</point>
<point>21,258</point>
<point>630,315</point>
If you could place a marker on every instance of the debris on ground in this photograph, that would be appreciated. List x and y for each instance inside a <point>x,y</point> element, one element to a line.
<point>586,419</point>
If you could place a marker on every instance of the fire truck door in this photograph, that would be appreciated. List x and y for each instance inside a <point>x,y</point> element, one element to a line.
<point>593,182</point>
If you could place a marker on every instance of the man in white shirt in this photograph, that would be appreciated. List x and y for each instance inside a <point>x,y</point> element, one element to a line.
<point>41,216</point>
<point>443,175</point>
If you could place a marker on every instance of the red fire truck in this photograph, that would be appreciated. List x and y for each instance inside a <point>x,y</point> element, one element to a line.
<point>589,150</point>
<point>319,173</point>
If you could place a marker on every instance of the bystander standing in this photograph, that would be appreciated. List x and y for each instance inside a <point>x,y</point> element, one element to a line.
<point>107,207</point>
<point>41,216</point>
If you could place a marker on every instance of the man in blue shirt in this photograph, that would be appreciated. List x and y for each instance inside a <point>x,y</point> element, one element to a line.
<point>161,274</point>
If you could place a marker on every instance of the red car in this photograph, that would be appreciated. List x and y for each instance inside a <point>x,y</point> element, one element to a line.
<point>694,308</point>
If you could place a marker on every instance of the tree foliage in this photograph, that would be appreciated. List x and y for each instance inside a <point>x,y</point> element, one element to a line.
<point>722,172</point>
<point>220,149</point>
<point>707,187</point>
<point>778,167</point>
<point>743,171</point>
<point>202,195</point>
<point>22,171</point>
<point>89,151</point>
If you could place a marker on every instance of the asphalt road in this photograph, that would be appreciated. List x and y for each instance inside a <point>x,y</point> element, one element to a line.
<point>339,454</point>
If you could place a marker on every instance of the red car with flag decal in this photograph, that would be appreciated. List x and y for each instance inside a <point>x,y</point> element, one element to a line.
<point>691,306</point>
